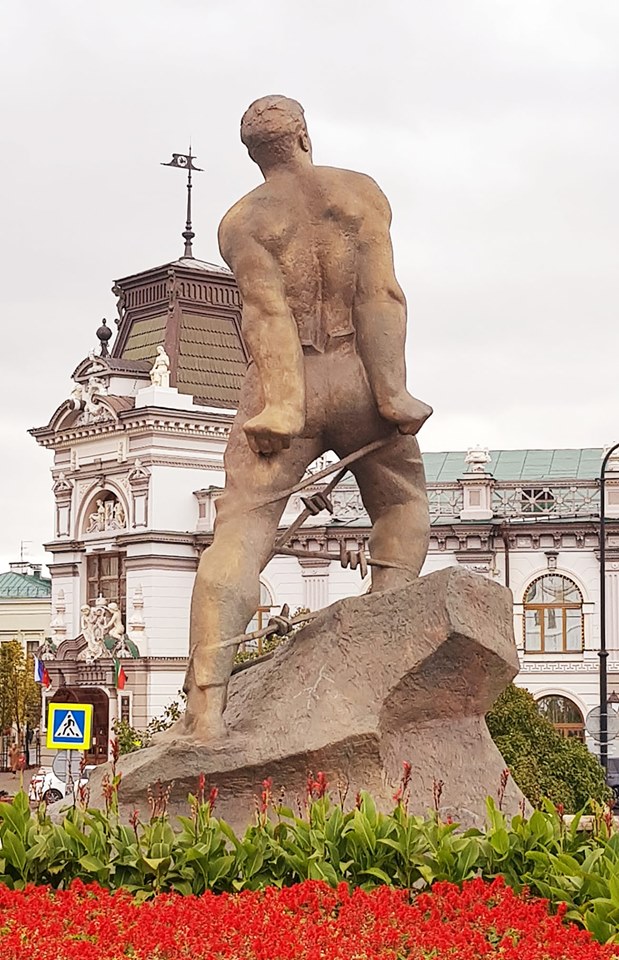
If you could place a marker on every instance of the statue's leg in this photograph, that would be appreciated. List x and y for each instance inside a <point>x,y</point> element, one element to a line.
<point>393,489</point>
<point>227,588</point>
<point>391,480</point>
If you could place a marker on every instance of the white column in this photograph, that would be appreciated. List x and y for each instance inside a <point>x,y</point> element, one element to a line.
<point>315,575</point>
<point>612,607</point>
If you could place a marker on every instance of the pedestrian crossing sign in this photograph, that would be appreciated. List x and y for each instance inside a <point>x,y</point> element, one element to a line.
<point>69,726</point>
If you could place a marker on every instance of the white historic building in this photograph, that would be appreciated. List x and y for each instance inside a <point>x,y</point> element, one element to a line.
<point>138,464</point>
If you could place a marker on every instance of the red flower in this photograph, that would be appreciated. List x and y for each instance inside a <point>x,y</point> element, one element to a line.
<point>309,921</point>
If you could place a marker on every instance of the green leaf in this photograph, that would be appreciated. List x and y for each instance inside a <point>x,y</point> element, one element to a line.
<point>14,851</point>
<point>254,863</point>
<point>14,816</point>
<point>499,841</point>
<point>92,864</point>
<point>219,868</point>
<point>601,930</point>
<point>155,863</point>
<point>379,874</point>
<point>323,871</point>
<point>363,830</point>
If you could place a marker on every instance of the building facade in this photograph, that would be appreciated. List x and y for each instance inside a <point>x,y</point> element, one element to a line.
<point>25,606</point>
<point>138,467</point>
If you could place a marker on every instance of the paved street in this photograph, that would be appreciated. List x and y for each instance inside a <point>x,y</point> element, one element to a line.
<point>11,784</point>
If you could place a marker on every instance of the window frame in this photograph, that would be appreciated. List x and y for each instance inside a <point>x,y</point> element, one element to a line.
<point>541,608</point>
<point>566,729</point>
<point>120,579</point>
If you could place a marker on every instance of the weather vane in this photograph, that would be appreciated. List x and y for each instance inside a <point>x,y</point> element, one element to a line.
<point>185,162</point>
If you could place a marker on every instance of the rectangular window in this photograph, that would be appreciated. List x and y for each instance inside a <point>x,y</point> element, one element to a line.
<point>533,632</point>
<point>553,631</point>
<point>557,629</point>
<point>125,709</point>
<point>573,630</point>
<point>106,577</point>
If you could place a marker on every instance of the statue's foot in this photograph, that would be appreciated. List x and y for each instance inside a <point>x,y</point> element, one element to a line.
<point>406,411</point>
<point>203,719</point>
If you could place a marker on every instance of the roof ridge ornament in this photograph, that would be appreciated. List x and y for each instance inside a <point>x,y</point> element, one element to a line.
<point>104,334</point>
<point>477,458</point>
<point>185,162</point>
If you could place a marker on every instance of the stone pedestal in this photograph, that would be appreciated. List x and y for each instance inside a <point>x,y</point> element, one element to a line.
<point>375,680</point>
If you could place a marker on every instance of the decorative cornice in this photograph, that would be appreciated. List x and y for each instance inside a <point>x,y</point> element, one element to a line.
<point>64,569</point>
<point>156,561</point>
<point>569,666</point>
<point>312,564</point>
<point>144,420</point>
<point>157,536</point>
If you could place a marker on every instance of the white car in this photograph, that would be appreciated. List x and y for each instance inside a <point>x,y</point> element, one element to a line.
<point>45,785</point>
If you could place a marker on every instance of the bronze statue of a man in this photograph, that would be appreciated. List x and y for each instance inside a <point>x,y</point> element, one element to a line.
<point>324,320</point>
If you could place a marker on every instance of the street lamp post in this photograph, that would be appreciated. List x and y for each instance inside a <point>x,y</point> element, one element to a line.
<point>603,652</point>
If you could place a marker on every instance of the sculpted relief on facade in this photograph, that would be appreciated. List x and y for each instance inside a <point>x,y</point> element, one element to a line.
<point>109,515</point>
<point>104,631</point>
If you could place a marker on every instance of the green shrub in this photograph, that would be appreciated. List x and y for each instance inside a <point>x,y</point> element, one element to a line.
<point>130,738</point>
<point>543,763</point>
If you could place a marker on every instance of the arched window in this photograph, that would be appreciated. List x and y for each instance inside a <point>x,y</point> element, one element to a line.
<point>564,715</point>
<point>553,617</point>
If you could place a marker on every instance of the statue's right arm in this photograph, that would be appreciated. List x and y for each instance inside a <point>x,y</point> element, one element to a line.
<point>270,332</point>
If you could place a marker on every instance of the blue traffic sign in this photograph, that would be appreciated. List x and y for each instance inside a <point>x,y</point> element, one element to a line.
<point>69,726</point>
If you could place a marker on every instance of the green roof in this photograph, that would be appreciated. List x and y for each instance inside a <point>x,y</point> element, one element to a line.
<point>22,586</point>
<point>519,465</point>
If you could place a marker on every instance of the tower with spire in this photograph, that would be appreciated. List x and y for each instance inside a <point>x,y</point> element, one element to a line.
<point>134,453</point>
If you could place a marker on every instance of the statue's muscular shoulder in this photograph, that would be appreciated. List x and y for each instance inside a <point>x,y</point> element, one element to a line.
<point>268,214</point>
<point>254,218</point>
<point>358,186</point>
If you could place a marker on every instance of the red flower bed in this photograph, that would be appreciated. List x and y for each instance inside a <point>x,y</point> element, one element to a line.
<point>309,921</point>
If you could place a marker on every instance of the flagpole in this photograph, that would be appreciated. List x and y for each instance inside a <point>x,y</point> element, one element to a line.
<point>184,161</point>
<point>188,233</point>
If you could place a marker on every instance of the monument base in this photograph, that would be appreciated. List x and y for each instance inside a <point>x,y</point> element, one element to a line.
<point>375,680</point>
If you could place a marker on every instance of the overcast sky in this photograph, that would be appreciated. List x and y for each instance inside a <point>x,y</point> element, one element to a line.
<point>490,124</point>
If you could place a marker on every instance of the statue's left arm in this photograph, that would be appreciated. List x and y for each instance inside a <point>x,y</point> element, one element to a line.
<point>380,316</point>
<point>271,335</point>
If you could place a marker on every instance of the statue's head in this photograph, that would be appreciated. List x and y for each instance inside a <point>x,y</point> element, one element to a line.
<point>275,133</point>
<point>112,606</point>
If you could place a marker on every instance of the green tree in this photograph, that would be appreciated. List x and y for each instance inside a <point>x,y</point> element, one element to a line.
<point>20,694</point>
<point>543,763</point>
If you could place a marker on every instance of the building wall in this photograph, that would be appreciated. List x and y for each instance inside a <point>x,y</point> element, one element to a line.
<point>164,686</point>
<point>26,620</point>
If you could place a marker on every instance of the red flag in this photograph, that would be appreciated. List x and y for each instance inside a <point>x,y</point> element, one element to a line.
<point>120,677</point>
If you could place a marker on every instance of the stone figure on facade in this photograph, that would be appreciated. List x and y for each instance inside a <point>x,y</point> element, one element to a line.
<point>103,619</point>
<point>87,397</point>
<point>160,371</point>
<point>92,623</point>
<point>96,520</point>
<point>324,320</point>
<point>114,627</point>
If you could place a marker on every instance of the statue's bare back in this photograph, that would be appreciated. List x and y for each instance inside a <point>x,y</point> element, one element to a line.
<point>318,266</point>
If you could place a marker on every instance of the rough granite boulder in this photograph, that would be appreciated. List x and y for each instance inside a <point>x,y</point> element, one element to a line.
<point>374,680</point>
